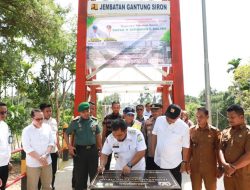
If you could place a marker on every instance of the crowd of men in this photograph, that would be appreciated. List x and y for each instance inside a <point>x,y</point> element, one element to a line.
<point>139,140</point>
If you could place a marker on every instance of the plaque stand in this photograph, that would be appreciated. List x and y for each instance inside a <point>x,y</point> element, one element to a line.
<point>137,179</point>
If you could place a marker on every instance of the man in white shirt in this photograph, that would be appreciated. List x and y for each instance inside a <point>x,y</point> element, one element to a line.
<point>170,142</point>
<point>5,148</point>
<point>47,114</point>
<point>128,146</point>
<point>37,141</point>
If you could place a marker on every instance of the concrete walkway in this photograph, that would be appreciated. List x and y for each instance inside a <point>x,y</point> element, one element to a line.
<point>64,175</point>
<point>63,178</point>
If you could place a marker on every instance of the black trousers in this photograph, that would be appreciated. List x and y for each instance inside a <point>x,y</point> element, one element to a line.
<point>73,180</point>
<point>54,157</point>
<point>4,173</point>
<point>176,173</point>
<point>86,163</point>
<point>150,164</point>
<point>107,166</point>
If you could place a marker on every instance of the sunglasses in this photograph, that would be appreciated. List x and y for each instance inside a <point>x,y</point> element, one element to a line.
<point>38,119</point>
<point>130,115</point>
<point>3,112</point>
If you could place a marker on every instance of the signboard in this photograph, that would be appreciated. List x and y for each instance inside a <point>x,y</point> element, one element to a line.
<point>128,40</point>
<point>149,179</point>
<point>105,8</point>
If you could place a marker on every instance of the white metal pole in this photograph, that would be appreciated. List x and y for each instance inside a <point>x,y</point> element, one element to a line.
<point>206,63</point>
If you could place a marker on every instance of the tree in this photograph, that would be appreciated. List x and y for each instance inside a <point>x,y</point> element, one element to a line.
<point>234,64</point>
<point>238,93</point>
<point>103,106</point>
<point>59,66</point>
<point>191,108</point>
<point>26,28</point>
<point>241,88</point>
<point>32,34</point>
<point>219,103</point>
<point>145,97</point>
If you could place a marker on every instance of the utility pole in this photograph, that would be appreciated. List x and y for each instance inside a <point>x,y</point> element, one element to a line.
<point>206,63</point>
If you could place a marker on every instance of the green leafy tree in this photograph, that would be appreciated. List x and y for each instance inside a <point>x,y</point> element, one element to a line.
<point>191,104</point>
<point>219,103</point>
<point>107,100</point>
<point>191,108</point>
<point>241,88</point>
<point>103,106</point>
<point>238,93</point>
<point>145,97</point>
<point>234,64</point>
<point>27,28</point>
<point>34,33</point>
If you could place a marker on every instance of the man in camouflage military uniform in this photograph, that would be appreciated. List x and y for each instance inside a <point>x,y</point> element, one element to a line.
<point>235,150</point>
<point>106,126</point>
<point>87,143</point>
<point>156,110</point>
<point>204,152</point>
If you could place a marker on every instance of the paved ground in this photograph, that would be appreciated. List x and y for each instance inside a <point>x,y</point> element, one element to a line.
<point>63,178</point>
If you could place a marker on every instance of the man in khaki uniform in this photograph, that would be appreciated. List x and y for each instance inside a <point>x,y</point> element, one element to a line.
<point>156,110</point>
<point>204,151</point>
<point>235,150</point>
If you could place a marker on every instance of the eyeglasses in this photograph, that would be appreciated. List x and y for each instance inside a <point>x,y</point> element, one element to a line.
<point>38,119</point>
<point>3,112</point>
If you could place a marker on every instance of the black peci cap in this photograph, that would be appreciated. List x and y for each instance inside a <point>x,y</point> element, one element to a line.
<point>173,111</point>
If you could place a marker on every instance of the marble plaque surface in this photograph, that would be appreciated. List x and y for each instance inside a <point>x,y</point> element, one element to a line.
<point>149,179</point>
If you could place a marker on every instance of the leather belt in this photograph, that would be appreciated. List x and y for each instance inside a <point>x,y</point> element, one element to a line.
<point>86,147</point>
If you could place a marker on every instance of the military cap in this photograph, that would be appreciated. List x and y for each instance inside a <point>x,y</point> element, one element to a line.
<point>129,110</point>
<point>156,106</point>
<point>83,106</point>
<point>173,111</point>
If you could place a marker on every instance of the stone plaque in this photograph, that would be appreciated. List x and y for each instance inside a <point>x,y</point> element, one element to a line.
<point>149,179</point>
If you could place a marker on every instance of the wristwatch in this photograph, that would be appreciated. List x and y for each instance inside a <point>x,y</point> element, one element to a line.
<point>129,164</point>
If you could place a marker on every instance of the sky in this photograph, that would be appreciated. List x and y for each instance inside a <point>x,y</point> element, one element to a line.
<point>228,38</point>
